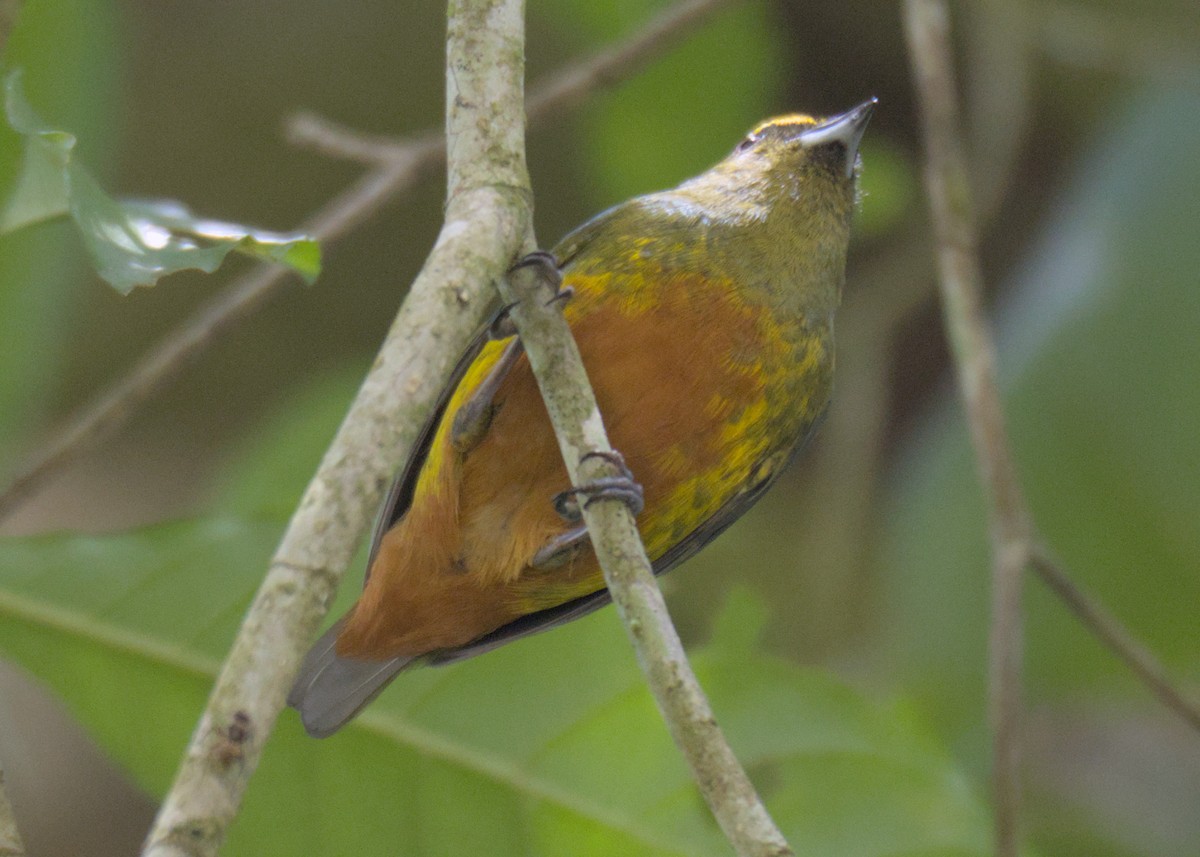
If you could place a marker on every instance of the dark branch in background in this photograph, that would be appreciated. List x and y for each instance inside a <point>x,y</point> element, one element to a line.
<point>400,166</point>
<point>10,838</point>
<point>961,281</point>
<point>579,427</point>
<point>1135,654</point>
<point>1014,544</point>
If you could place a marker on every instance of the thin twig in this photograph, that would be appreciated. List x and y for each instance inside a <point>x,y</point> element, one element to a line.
<point>614,536</point>
<point>488,214</point>
<point>1136,655</point>
<point>308,130</point>
<point>391,177</point>
<point>10,838</point>
<point>565,88</point>
<point>927,30</point>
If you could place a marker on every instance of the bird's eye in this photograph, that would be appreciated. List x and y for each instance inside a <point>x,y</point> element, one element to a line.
<point>746,144</point>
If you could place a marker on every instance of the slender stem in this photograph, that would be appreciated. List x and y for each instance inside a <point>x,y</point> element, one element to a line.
<point>10,838</point>
<point>565,88</point>
<point>404,165</point>
<point>1136,655</point>
<point>579,428</point>
<point>947,182</point>
<point>487,215</point>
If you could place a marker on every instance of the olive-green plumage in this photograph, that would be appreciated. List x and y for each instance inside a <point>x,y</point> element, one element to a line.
<point>704,315</point>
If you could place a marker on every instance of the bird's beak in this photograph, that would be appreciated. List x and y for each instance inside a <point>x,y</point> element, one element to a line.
<point>846,129</point>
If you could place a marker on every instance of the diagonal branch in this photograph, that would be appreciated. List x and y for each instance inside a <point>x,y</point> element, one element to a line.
<point>1135,654</point>
<point>391,176</point>
<point>579,428</point>
<point>487,215</point>
<point>961,281</point>
<point>1013,537</point>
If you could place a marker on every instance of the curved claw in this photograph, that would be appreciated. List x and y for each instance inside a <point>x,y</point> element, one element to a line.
<point>550,272</point>
<point>621,487</point>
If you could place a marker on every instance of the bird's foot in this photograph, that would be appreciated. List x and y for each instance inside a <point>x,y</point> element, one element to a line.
<point>548,269</point>
<point>619,487</point>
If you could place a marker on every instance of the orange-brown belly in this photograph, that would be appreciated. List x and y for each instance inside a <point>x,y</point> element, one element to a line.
<point>683,383</point>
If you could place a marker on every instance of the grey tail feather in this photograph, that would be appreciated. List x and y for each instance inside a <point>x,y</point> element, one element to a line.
<point>331,689</point>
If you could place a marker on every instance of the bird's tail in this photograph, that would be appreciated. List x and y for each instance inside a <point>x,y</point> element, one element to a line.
<point>331,689</point>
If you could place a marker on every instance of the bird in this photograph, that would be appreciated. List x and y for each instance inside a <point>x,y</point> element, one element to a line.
<point>704,316</point>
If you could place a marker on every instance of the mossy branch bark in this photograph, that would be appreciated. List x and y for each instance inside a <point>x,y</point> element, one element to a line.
<point>487,217</point>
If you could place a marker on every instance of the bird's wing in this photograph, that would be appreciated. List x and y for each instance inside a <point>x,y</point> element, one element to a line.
<point>400,495</point>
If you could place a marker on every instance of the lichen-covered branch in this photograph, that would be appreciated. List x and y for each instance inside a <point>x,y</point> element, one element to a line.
<point>579,427</point>
<point>487,216</point>
<point>960,278</point>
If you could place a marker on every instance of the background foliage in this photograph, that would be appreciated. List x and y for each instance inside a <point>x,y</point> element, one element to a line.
<point>122,583</point>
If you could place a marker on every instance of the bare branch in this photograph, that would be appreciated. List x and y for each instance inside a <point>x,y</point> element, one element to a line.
<point>405,165</point>
<point>627,572</point>
<point>1136,655</point>
<point>10,838</point>
<point>947,181</point>
<point>565,88</point>
<point>487,215</point>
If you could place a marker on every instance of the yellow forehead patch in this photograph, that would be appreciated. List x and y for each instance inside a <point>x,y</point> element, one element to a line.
<point>789,119</point>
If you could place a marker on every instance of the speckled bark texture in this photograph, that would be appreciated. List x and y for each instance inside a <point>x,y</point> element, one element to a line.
<point>487,217</point>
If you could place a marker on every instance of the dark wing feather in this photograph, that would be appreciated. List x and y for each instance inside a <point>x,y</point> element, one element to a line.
<point>400,495</point>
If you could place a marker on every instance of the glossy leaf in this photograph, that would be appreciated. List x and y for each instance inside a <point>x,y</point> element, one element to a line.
<point>131,243</point>
<point>71,56</point>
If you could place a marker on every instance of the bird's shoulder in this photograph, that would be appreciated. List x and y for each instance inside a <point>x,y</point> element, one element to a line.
<point>659,229</point>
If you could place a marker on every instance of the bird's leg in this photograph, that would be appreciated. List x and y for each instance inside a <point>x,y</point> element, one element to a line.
<point>501,326</point>
<point>548,269</point>
<point>620,487</point>
<point>559,549</point>
<point>473,418</point>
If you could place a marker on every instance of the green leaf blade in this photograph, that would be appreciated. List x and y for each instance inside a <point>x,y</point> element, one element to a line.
<point>134,243</point>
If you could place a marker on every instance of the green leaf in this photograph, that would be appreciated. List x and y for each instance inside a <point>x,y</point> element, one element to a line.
<point>71,54</point>
<point>131,243</point>
<point>547,746</point>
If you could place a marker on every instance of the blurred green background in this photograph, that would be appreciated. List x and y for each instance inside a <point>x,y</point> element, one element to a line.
<point>121,583</point>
